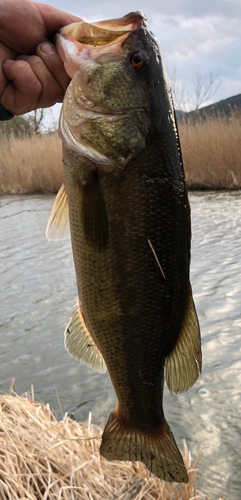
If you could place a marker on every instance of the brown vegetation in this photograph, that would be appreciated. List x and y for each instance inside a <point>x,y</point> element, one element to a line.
<point>30,164</point>
<point>211,149</point>
<point>46,459</point>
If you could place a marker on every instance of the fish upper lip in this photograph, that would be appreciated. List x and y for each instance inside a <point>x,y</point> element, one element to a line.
<point>83,30</point>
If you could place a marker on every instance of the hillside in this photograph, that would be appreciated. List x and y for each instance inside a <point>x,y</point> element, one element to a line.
<point>224,106</point>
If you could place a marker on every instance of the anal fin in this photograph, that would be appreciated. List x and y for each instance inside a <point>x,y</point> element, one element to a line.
<point>157,449</point>
<point>79,343</point>
<point>58,223</point>
<point>184,363</point>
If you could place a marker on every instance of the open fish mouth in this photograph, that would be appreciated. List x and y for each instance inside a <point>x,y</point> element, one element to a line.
<point>104,32</point>
<point>99,41</point>
<point>92,53</point>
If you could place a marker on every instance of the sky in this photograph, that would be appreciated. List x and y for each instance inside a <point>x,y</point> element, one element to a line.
<point>196,36</point>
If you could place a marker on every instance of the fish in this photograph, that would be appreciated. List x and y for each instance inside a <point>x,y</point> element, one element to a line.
<point>124,201</point>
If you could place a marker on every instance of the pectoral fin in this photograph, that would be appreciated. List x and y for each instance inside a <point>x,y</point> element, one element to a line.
<point>94,215</point>
<point>58,224</point>
<point>79,343</point>
<point>184,363</point>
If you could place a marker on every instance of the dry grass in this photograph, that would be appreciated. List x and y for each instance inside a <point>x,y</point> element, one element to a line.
<point>31,164</point>
<point>46,459</point>
<point>212,151</point>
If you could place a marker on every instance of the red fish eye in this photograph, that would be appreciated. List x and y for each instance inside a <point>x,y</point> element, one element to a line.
<point>137,61</point>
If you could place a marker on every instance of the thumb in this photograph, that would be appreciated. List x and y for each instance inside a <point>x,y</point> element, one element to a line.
<point>54,19</point>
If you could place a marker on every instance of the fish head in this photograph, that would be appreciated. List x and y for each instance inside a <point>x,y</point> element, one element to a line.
<point>108,107</point>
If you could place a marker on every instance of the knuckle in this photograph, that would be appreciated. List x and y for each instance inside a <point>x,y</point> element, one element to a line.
<point>52,94</point>
<point>32,84</point>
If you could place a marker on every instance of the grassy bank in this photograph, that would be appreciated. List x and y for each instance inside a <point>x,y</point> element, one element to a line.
<point>30,164</point>
<point>46,459</point>
<point>211,152</point>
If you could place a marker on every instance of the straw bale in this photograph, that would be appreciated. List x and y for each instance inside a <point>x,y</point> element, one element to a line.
<point>46,459</point>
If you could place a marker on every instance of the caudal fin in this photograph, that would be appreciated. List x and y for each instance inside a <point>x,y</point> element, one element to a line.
<point>157,450</point>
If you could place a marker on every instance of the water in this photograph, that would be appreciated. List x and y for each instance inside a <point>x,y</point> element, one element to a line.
<point>38,293</point>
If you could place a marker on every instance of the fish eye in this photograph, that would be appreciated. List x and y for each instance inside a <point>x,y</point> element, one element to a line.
<point>137,61</point>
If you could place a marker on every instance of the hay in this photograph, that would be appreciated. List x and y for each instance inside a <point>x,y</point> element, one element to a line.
<point>46,459</point>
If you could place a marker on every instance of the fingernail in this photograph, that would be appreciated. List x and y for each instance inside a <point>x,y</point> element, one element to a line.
<point>47,48</point>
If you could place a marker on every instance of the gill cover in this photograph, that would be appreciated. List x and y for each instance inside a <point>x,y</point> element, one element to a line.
<point>105,132</point>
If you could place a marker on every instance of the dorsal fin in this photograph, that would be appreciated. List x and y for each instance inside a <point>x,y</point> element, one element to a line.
<point>58,223</point>
<point>184,363</point>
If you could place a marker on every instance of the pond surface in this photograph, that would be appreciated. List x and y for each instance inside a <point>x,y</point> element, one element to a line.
<point>37,297</point>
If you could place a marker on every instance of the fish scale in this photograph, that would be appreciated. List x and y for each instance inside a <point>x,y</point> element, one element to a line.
<point>129,219</point>
<point>124,260</point>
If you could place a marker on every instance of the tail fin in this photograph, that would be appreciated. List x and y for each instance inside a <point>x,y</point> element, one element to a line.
<point>157,450</point>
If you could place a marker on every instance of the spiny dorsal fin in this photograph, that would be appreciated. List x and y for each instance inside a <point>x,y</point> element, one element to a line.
<point>58,224</point>
<point>184,363</point>
<point>157,450</point>
<point>80,344</point>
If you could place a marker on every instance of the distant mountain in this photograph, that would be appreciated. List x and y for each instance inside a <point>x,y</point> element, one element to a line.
<point>224,106</point>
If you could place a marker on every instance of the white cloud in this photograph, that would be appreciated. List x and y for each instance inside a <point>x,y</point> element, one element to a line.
<point>203,45</point>
<point>196,36</point>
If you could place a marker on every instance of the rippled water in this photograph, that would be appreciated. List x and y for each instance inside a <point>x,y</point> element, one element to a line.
<point>38,292</point>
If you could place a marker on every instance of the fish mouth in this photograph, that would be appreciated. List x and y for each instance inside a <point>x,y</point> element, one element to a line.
<point>104,32</point>
<point>85,47</point>
<point>81,43</point>
<point>99,41</point>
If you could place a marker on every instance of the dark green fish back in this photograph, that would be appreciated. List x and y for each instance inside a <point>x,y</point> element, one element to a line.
<point>132,309</point>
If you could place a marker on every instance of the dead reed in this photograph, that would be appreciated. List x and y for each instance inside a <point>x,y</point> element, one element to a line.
<point>30,164</point>
<point>211,150</point>
<point>46,459</point>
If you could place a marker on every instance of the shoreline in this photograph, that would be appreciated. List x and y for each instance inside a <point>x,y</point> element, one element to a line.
<point>190,189</point>
<point>44,458</point>
<point>211,151</point>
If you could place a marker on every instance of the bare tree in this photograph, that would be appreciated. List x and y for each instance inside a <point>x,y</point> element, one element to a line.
<point>204,89</point>
<point>180,94</point>
<point>35,120</point>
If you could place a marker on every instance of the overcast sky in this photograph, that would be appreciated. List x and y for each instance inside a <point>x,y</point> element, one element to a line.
<point>196,36</point>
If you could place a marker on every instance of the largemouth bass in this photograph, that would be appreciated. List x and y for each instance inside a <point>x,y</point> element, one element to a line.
<point>125,200</point>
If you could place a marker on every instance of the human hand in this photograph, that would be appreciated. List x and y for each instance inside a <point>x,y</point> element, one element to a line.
<point>32,74</point>
<point>34,81</point>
